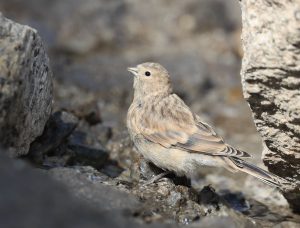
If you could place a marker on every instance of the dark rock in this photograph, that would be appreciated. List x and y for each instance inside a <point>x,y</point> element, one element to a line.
<point>112,169</point>
<point>84,136</point>
<point>62,145</point>
<point>84,147</point>
<point>57,130</point>
<point>25,88</point>
<point>85,155</point>
<point>235,200</point>
<point>208,195</point>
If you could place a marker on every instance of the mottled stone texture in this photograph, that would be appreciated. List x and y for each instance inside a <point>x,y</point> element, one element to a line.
<point>25,86</point>
<point>271,83</point>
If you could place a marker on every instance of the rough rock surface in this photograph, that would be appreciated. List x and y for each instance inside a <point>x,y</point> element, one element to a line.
<point>25,86</point>
<point>86,183</point>
<point>271,83</point>
<point>29,198</point>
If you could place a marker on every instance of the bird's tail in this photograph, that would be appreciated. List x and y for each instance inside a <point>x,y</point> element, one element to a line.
<point>263,175</point>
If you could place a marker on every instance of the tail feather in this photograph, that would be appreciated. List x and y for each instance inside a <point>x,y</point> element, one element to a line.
<point>263,175</point>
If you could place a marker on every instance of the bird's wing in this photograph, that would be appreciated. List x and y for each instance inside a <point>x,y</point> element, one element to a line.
<point>171,124</point>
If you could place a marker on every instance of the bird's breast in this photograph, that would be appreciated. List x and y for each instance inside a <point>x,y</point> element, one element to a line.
<point>134,112</point>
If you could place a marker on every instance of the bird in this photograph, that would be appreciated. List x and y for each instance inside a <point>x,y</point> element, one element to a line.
<point>167,133</point>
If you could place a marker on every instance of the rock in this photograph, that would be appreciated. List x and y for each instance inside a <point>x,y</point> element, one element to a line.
<point>182,203</point>
<point>58,128</point>
<point>265,194</point>
<point>270,75</point>
<point>30,198</point>
<point>85,155</point>
<point>113,170</point>
<point>84,148</point>
<point>62,145</point>
<point>84,186</point>
<point>233,221</point>
<point>287,225</point>
<point>174,199</point>
<point>261,212</point>
<point>25,86</point>
<point>170,201</point>
<point>36,200</point>
<point>236,200</point>
<point>208,195</point>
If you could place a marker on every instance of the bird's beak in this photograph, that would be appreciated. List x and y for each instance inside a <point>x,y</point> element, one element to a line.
<point>133,70</point>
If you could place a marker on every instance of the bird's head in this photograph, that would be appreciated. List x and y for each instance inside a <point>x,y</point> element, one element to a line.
<point>150,79</point>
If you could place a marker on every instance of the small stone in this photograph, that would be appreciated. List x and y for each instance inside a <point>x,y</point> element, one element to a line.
<point>236,201</point>
<point>209,196</point>
<point>174,199</point>
<point>163,190</point>
<point>85,155</point>
<point>58,128</point>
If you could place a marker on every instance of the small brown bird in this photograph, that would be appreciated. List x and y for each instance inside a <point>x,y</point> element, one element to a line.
<point>167,133</point>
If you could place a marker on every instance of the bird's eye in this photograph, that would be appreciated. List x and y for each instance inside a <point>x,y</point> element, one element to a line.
<point>147,73</point>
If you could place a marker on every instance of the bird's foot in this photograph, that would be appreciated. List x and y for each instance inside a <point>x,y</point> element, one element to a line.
<point>156,178</point>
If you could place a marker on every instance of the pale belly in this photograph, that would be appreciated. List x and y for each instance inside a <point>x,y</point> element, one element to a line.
<point>178,161</point>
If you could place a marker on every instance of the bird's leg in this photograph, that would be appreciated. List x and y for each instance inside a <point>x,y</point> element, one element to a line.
<point>156,178</point>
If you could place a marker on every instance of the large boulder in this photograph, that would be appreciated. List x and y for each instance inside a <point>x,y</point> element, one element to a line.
<point>270,74</point>
<point>25,86</point>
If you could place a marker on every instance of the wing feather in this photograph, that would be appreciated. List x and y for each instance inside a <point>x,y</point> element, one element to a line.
<point>173,125</point>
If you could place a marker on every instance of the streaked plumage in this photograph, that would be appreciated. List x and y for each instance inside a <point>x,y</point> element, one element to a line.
<point>166,132</point>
